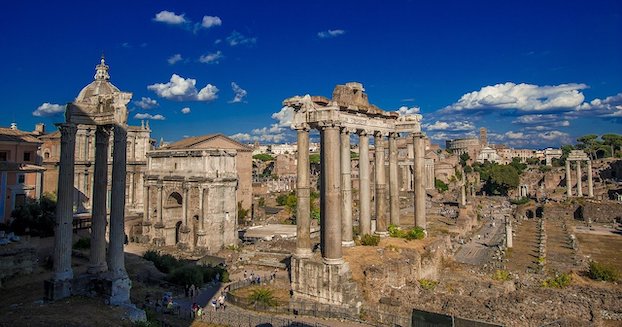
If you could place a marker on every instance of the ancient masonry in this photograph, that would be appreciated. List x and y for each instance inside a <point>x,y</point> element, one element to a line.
<point>577,156</point>
<point>349,112</point>
<point>103,106</point>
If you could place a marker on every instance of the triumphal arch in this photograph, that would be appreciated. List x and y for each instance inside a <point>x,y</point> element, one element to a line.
<point>326,278</point>
<point>102,106</point>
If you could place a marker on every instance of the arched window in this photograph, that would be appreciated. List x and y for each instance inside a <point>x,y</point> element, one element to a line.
<point>174,200</point>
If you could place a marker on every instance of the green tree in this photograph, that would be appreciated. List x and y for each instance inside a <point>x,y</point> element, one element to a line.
<point>464,158</point>
<point>613,141</point>
<point>589,143</point>
<point>314,158</point>
<point>440,185</point>
<point>37,218</point>
<point>502,178</point>
<point>518,165</point>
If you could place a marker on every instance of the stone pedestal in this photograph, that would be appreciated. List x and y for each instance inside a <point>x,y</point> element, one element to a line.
<point>312,280</point>
<point>118,290</point>
<point>57,289</point>
<point>202,242</point>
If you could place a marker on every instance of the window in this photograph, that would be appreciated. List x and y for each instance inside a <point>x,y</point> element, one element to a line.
<point>21,179</point>
<point>4,155</point>
<point>27,156</point>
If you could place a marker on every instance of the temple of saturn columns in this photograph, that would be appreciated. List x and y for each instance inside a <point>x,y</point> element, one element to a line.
<point>102,106</point>
<point>578,156</point>
<point>327,279</point>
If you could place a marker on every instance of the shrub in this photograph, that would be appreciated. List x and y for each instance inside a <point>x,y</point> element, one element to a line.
<point>416,233</point>
<point>263,157</point>
<point>82,243</point>
<point>395,231</point>
<point>519,201</point>
<point>604,272</point>
<point>370,240</point>
<point>428,284</point>
<point>165,263</point>
<point>501,275</point>
<point>559,281</point>
<point>440,185</point>
<point>37,217</point>
<point>187,275</point>
<point>262,296</point>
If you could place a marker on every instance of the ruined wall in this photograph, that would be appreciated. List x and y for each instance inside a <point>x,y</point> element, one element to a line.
<point>16,260</point>
<point>605,212</point>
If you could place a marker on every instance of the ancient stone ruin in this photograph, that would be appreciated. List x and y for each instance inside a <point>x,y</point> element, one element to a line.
<point>348,112</point>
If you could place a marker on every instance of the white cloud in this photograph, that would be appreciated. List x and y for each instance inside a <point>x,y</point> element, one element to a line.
<point>185,110</point>
<point>146,103</point>
<point>149,116</point>
<point>555,136</point>
<point>525,98</point>
<point>285,116</point>
<point>244,137</point>
<point>330,34</point>
<point>169,17</point>
<point>239,93</point>
<point>48,109</point>
<point>211,21</point>
<point>235,38</point>
<point>174,59</point>
<point>211,58</point>
<point>183,89</point>
<point>453,126</point>
<point>514,135</point>
<point>276,132</point>
<point>610,107</point>
<point>404,110</point>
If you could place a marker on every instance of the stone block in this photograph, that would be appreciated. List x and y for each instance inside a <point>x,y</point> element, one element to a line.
<point>57,289</point>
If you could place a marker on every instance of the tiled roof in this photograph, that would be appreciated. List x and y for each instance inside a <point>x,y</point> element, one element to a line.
<point>189,142</point>
<point>15,135</point>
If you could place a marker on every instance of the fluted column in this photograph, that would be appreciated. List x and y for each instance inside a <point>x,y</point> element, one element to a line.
<point>346,190</point>
<point>579,182</point>
<point>590,184</point>
<point>116,259</point>
<point>410,170</point>
<point>303,209</point>
<point>330,220</point>
<point>394,192</point>
<point>568,182</point>
<point>419,187</point>
<point>64,205</point>
<point>381,215</point>
<point>364,196</point>
<point>146,205</point>
<point>97,262</point>
<point>201,207</point>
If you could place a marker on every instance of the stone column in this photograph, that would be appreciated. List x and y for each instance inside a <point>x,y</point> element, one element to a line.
<point>463,190</point>
<point>97,262</point>
<point>381,215</point>
<point>346,190</point>
<point>160,207</point>
<point>419,187</point>
<point>201,207</point>
<point>579,182</point>
<point>394,192</point>
<point>146,207</point>
<point>116,259</point>
<point>590,183</point>
<point>64,209</point>
<point>330,221</point>
<point>508,233</point>
<point>185,228</point>
<point>364,196</point>
<point>411,156</point>
<point>568,181</point>
<point>303,209</point>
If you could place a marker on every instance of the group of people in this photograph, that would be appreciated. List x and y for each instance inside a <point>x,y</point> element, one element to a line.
<point>219,303</point>
<point>256,279</point>
<point>192,291</point>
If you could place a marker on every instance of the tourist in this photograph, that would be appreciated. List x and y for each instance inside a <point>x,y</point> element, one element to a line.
<point>221,302</point>
<point>245,275</point>
<point>214,304</point>
<point>194,308</point>
<point>200,313</point>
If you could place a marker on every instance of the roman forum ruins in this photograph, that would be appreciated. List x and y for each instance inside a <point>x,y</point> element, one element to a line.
<point>578,156</point>
<point>347,113</point>
<point>102,106</point>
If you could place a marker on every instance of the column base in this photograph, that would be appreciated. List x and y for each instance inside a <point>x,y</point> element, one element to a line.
<point>347,244</point>
<point>118,291</point>
<point>57,289</point>
<point>97,269</point>
<point>303,253</point>
<point>330,261</point>
<point>382,234</point>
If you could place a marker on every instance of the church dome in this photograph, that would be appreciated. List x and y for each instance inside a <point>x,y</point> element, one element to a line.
<point>100,86</point>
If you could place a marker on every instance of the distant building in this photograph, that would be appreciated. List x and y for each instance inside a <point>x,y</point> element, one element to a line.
<point>20,169</point>
<point>283,148</point>
<point>488,154</point>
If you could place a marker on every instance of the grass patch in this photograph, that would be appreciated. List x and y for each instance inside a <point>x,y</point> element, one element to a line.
<point>604,272</point>
<point>559,281</point>
<point>501,275</point>
<point>262,296</point>
<point>416,233</point>
<point>428,284</point>
<point>370,240</point>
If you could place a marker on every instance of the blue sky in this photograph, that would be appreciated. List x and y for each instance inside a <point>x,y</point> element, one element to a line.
<point>535,73</point>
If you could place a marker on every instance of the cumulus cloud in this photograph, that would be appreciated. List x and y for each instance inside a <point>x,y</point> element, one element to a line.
<point>184,89</point>
<point>275,133</point>
<point>522,98</point>
<point>555,136</point>
<point>149,116</point>
<point>235,39</point>
<point>48,109</point>
<point>239,93</point>
<point>284,117</point>
<point>514,135</point>
<point>169,17</point>
<point>185,110</point>
<point>330,34</point>
<point>211,58</point>
<point>610,107</point>
<point>404,110</point>
<point>174,59</point>
<point>211,21</point>
<point>453,126</point>
<point>146,103</point>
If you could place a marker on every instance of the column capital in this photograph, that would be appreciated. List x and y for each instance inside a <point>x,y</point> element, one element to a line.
<point>362,132</point>
<point>394,135</point>
<point>68,130</point>
<point>302,127</point>
<point>102,134</point>
<point>328,124</point>
<point>347,130</point>
<point>418,135</point>
<point>380,134</point>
